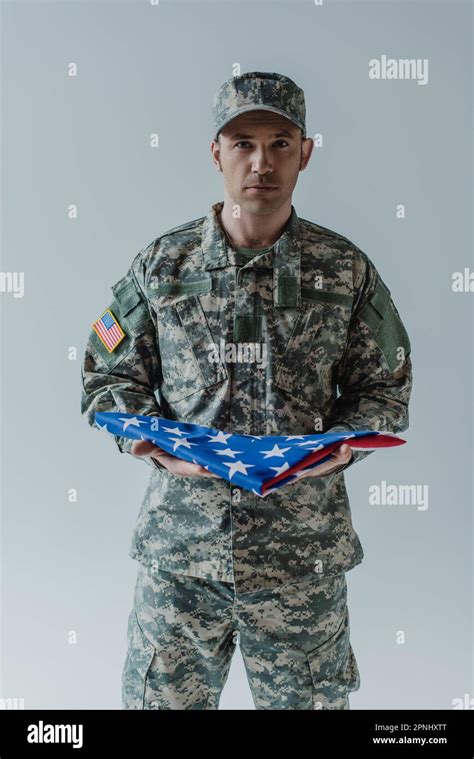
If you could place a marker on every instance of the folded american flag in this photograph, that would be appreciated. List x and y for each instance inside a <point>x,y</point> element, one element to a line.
<point>259,463</point>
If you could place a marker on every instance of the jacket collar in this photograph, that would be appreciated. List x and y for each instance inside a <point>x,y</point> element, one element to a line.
<point>217,252</point>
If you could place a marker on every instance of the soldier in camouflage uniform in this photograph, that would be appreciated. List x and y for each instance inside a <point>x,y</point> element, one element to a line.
<point>216,560</point>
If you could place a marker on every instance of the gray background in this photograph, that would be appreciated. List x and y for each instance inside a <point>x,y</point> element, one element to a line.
<point>145,69</point>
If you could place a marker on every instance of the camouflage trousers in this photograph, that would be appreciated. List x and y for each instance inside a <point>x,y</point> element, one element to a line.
<point>182,632</point>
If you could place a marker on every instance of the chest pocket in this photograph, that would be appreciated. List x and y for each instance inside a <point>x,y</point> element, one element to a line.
<point>316,343</point>
<point>188,361</point>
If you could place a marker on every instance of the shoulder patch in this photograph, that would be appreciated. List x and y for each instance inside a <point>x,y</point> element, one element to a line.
<point>108,330</point>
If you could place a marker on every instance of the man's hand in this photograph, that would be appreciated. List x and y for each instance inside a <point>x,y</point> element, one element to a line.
<point>339,458</point>
<point>172,463</point>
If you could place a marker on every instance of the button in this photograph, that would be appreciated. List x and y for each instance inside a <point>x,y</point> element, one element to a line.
<point>318,566</point>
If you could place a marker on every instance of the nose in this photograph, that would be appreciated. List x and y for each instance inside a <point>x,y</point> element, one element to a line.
<point>261,163</point>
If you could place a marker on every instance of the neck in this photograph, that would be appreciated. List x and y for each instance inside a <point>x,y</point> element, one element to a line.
<point>250,230</point>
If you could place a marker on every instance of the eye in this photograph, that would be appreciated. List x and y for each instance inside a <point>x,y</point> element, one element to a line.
<point>245,142</point>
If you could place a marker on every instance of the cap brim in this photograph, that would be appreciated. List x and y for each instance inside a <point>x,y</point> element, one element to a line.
<point>247,108</point>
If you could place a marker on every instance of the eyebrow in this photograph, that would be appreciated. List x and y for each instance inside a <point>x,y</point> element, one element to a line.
<point>241,136</point>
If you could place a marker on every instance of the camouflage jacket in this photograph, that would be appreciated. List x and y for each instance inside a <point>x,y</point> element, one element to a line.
<point>337,357</point>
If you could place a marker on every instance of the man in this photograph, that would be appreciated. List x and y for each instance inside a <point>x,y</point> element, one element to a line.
<point>216,561</point>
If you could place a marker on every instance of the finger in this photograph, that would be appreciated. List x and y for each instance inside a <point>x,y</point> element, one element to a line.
<point>322,469</point>
<point>199,469</point>
<point>140,446</point>
<point>208,473</point>
<point>162,456</point>
<point>178,466</point>
<point>318,470</point>
<point>157,450</point>
<point>342,454</point>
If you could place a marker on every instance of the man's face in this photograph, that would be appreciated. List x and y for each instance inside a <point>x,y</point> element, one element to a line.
<point>261,149</point>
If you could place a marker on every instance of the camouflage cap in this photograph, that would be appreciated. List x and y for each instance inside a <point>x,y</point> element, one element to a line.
<point>255,91</point>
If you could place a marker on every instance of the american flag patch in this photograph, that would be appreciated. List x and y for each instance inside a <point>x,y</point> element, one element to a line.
<point>109,330</point>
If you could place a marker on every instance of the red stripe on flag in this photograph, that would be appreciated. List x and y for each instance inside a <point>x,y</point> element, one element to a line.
<point>371,441</point>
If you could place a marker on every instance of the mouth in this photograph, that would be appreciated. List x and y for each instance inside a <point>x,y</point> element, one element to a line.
<point>261,188</point>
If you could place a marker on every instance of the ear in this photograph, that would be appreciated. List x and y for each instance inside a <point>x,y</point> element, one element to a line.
<point>215,150</point>
<point>306,150</point>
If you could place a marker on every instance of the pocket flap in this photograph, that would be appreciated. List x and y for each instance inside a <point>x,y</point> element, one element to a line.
<point>131,306</point>
<point>194,323</point>
<point>126,294</point>
<point>380,298</point>
<point>326,296</point>
<point>184,288</point>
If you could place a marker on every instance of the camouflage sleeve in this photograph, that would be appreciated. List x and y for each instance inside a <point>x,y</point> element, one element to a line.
<point>124,379</point>
<point>374,376</point>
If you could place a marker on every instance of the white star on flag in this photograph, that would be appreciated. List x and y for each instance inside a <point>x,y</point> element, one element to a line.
<point>174,430</point>
<point>297,455</point>
<point>310,442</point>
<point>178,442</point>
<point>226,452</point>
<point>237,466</point>
<point>275,451</point>
<point>133,421</point>
<point>279,469</point>
<point>221,437</point>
